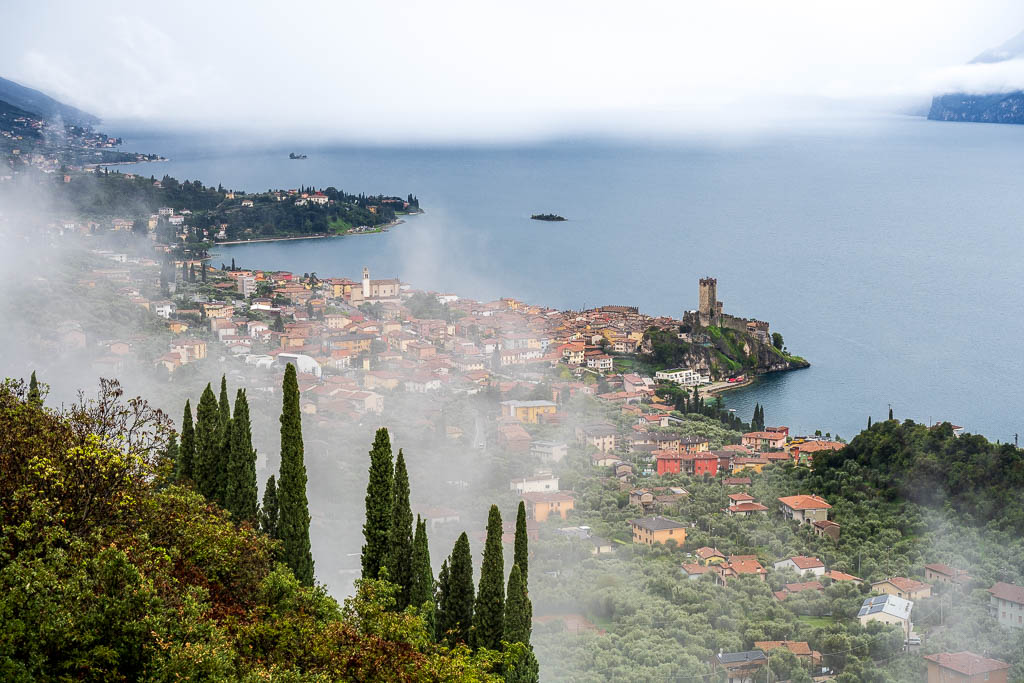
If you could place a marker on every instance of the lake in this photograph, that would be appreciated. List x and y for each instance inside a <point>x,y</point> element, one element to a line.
<point>886,252</point>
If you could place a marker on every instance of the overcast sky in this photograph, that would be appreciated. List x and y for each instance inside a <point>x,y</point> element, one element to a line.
<point>395,71</point>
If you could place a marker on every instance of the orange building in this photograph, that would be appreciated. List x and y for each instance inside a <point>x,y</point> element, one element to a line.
<point>541,505</point>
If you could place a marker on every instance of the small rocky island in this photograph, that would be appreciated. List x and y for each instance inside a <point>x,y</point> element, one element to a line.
<point>546,217</point>
<point>293,155</point>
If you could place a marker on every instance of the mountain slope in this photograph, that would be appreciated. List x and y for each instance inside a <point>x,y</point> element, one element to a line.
<point>43,105</point>
<point>1006,107</point>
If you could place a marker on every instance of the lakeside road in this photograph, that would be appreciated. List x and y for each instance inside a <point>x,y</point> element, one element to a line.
<point>721,387</point>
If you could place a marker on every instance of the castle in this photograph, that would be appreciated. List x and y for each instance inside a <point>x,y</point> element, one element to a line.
<point>709,313</point>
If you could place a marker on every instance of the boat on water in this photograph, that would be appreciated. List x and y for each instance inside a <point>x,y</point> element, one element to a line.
<point>293,155</point>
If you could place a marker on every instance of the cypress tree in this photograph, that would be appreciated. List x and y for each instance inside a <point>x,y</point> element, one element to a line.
<point>185,469</point>
<point>208,445</point>
<point>518,610</point>
<point>442,603</point>
<point>293,523</point>
<point>489,611</point>
<point>242,489</point>
<point>34,397</point>
<point>422,589</point>
<point>269,509</point>
<point>869,422</point>
<point>224,435</point>
<point>521,555</point>
<point>400,546</point>
<point>379,497</point>
<point>171,453</point>
<point>458,609</point>
<point>890,412</point>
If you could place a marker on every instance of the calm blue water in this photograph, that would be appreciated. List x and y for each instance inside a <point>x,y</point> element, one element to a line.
<point>888,253</point>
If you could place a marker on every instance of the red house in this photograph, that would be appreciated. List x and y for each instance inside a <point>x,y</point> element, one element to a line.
<point>669,463</point>
<point>705,463</point>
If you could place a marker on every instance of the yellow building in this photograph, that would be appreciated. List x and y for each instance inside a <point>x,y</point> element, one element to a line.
<point>541,505</point>
<point>651,530</point>
<point>527,411</point>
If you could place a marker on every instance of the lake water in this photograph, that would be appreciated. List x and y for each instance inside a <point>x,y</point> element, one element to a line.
<point>887,253</point>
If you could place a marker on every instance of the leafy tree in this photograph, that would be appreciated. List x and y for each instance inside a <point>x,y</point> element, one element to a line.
<point>489,611</point>
<point>455,612</point>
<point>208,445</point>
<point>518,610</point>
<point>293,522</point>
<point>242,489</point>
<point>185,470</point>
<point>269,511</point>
<point>777,341</point>
<point>400,544</point>
<point>521,554</point>
<point>379,503</point>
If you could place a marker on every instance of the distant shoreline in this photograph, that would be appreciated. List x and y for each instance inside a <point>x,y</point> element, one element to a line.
<point>376,230</point>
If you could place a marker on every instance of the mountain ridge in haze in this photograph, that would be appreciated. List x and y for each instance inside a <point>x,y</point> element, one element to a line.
<point>1005,107</point>
<point>42,104</point>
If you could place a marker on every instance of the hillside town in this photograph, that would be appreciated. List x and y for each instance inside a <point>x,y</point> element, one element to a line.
<point>361,344</point>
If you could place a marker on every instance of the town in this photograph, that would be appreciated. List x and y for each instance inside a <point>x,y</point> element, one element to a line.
<point>567,387</point>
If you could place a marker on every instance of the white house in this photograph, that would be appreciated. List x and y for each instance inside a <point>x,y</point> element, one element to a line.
<point>802,564</point>
<point>164,309</point>
<point>889,610</point>
<point>683,377</point>
<point>538,484</point>
<point>303,363</point>
<point>549,451</point>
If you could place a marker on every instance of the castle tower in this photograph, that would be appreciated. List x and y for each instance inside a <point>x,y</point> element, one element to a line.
<point>366,282</point>
<point>708,306</point>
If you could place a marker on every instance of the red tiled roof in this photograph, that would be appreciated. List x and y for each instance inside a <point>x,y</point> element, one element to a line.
<point>967,662</point>
<point>905,584</point>
<point>1008,591</point>
<point>803,562</point>
<point>747,507</point>
<point>804,503</point>
<point>797,647</point>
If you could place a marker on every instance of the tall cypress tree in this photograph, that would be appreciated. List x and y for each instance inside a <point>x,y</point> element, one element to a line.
<point>442,597</point>
<point>269,510</point>
<point>518,610</point>
<point>242,489</point>
<point>422,576</point>
<point>421,595</point>
<point>185,469</point>
<point>521,555</point>
<point>293,523</point>
<point>379,503</point>
<point>489,611</point>
<point>208,445</point>
<point>458,608</point>
<point>224,434</point>
<point>34,396</point>
<point>400,547</point>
